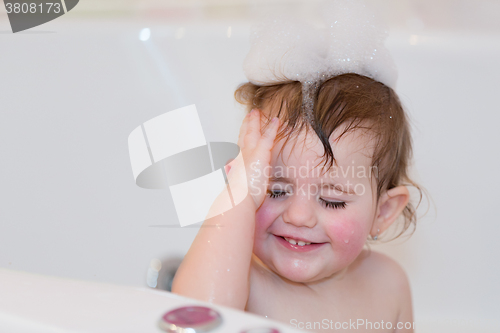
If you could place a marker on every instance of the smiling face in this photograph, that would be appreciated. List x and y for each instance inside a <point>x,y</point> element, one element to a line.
<point>334,210</point>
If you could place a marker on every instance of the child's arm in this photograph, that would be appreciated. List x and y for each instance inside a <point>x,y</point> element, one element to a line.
<point>217,266</point>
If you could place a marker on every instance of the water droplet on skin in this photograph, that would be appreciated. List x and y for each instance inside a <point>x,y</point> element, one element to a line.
<point>346,241</point>
<point>352,232</point>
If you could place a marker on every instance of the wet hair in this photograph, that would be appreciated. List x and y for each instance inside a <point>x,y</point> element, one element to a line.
<point>347,102</point>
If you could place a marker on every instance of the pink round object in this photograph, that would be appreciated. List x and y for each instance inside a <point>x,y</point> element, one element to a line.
<point>197,318</point>
<point>261,330</point>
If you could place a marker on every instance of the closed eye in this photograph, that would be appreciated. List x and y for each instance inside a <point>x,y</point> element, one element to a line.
<point>326,203</point>
<point>333,204</point>
<point>276,194</point>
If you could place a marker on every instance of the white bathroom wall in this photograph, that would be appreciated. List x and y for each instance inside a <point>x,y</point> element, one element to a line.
<point>73,89</point>
<point>449,83</point>
<point>71,94</point>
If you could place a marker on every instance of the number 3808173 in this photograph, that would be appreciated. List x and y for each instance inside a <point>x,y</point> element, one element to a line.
<point>33,8</point>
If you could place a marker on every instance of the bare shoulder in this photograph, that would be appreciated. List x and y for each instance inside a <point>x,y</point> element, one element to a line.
<point>386,277</point>
<point>381,269</point>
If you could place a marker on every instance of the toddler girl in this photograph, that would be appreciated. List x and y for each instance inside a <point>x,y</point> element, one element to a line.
<point>321,172</point>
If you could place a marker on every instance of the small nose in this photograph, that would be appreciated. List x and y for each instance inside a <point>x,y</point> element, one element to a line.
<point>300,211</point>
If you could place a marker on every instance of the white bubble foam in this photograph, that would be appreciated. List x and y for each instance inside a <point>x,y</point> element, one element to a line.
<point>344,37</point>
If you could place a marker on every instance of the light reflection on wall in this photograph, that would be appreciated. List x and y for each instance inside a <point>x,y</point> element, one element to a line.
<point>160,273</point>
<point>153,273</point>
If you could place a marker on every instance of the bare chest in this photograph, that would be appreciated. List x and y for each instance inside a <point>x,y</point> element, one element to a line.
<point>347,306</point>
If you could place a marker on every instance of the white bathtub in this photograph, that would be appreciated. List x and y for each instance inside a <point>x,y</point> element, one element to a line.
<point>72,90</point>
<point>32,303</point>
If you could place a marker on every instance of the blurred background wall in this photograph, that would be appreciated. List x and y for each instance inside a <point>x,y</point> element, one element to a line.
<point>443,14</point>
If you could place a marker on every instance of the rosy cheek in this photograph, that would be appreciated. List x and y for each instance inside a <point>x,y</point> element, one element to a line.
<point>348,236</point>
<point>264,217</point>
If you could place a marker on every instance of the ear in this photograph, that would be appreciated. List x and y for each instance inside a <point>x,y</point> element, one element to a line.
<point>390,206</point>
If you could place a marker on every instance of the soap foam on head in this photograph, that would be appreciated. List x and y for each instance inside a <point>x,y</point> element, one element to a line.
<point>343,37</point>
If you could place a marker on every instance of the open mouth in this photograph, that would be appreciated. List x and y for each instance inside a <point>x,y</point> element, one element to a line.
<point>296,242</point>
<point>300,245</point>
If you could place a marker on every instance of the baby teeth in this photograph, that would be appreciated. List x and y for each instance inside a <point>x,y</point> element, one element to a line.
<point>294,242</point>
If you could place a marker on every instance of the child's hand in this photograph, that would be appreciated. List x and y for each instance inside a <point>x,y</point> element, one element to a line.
<point>249,172</point>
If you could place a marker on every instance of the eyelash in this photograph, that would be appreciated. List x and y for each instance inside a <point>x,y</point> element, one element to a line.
<point>327,204</point>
